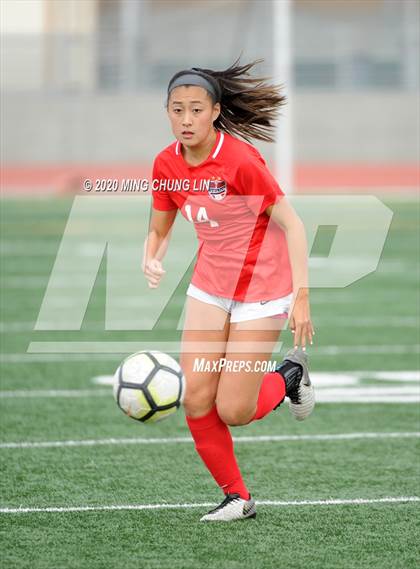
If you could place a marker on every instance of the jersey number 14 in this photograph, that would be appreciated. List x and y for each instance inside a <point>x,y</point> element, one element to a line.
<point>201,216</point>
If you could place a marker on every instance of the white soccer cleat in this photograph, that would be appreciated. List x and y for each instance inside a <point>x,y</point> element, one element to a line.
<point>301,394</point>
<point>232,508</point>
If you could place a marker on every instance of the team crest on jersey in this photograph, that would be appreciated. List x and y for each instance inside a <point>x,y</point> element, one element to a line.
<point>217,189</point>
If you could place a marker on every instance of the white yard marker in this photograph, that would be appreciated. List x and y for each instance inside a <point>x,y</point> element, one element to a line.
<point>395,375</point>
<point>331,387</point>
<point>369,394</point>
<point>103,380</point>
<point>278,503</point>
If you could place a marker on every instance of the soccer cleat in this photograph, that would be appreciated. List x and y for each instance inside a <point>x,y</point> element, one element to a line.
<point>232,508</point>
<point>299,389</point>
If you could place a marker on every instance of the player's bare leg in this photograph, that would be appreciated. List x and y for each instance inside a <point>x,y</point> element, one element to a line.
<point>251,344</point>
<point>253,398</point>
<point>206,330</point>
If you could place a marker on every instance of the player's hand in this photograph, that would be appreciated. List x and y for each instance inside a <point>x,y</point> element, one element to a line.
<point>300,321</point>
<point>153,271</point>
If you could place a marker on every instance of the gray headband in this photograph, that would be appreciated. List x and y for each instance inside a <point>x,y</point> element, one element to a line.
<point>195,79</point>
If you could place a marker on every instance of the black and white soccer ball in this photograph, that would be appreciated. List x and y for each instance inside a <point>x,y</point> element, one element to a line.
<point>149,386</point>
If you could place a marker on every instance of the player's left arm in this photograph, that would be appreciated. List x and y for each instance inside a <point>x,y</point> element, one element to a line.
<point>300,321</point>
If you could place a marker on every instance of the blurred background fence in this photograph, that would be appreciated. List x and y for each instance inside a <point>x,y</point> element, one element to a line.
<point>83,84</point>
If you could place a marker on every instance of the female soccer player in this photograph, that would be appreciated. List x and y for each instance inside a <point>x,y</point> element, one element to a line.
<point>251,268</point>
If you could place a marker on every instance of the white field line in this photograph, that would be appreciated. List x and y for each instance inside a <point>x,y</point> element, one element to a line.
<point>73,301</point>
<point>48,349</point>
<point>49,358</point>
<point>330,387</point>
<point>362,395</point>
<point>372,391</point>
<point>327,379</point>
<point>338,296</point>
<point>394,375</point>
<point>342,299</point>
<point>367,299</point>
<point>103,352</point>
<point>278,503</point>
<point>55,393</point>
<point>366,349</point>
<point>388,400</point>
<point>30,282</point>
<point>356,322</point>
<point>361,398</point>
<point>324,394</point>
<point>178,440</point>
<point>321,380</point>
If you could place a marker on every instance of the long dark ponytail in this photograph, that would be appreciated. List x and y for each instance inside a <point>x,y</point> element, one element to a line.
<point>249,105</point>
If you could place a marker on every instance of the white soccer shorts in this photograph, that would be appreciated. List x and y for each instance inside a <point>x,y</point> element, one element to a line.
<point>243,311</point>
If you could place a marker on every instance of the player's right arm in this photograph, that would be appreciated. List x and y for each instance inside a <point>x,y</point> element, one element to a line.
<point>156,245</point>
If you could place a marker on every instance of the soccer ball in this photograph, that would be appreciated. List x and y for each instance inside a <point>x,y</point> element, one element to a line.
<point>149,386</point>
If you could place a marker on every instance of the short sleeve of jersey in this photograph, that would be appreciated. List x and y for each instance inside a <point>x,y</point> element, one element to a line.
<point>162,199</point>
<point>255,179</point>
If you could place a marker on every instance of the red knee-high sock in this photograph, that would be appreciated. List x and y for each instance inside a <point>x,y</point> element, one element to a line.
<point>272,392</point>
<point>214,444</point>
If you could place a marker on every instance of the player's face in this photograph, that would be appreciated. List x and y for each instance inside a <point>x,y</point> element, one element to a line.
<point>192,113</point>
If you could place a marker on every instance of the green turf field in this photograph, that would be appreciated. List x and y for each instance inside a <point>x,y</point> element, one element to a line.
<point>102,460</point>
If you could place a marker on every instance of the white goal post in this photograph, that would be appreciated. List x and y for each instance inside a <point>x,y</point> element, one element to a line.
<point>283,73</point>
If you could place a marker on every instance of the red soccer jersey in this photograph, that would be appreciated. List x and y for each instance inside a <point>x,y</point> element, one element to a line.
<point>241,255</point>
